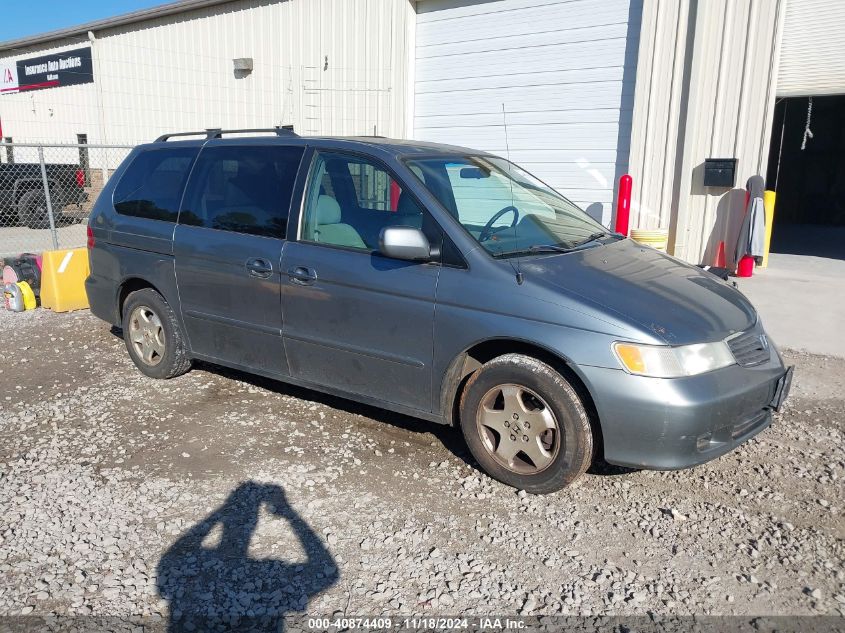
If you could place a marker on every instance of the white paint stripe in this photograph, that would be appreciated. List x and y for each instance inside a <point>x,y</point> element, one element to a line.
<point>65,262</point>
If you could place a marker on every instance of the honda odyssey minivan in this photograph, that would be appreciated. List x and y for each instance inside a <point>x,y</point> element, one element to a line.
<point>437,281</point>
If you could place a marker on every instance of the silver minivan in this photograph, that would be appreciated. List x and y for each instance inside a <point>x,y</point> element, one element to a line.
<point>440,282</point>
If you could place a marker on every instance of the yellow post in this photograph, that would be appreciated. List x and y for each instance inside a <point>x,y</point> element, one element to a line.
<point>769,206</point>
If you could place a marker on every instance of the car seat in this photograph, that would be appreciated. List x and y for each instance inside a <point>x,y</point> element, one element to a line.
<point>329,229</point>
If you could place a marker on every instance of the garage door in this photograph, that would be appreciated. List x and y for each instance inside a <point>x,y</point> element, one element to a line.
<point>812,49</point>
<point>564,70</point>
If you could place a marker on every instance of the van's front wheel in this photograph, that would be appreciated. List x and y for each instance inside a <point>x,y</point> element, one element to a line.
<point>526,425</point>
<point>152,335</point>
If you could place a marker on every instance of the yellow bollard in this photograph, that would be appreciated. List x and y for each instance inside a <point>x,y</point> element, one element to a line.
<point>769,206</point>
<point>63,276</point>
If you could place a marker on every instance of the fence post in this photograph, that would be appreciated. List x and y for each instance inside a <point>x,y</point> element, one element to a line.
<point>104,166</point>
<point>47,198</point>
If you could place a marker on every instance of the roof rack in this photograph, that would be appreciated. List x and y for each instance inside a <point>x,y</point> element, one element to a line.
<point>216,132</point>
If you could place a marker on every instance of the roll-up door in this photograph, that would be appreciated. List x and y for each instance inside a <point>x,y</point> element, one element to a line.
<point>564,70</point>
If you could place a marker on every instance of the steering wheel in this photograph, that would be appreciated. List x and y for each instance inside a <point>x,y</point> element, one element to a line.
<point>487,232</point>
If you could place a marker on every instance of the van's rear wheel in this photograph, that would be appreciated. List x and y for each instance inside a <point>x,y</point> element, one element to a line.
<point>153,338</point>
<point>525,424</point>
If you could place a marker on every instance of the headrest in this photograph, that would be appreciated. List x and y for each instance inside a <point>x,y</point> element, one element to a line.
<point>328,210</point>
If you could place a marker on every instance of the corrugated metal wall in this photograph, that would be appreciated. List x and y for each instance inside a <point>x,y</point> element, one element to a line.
<point>706,89</point>
<point>812,58</point>
<point>564,70</point>
<point>326,66</point>
<point>659,101</point>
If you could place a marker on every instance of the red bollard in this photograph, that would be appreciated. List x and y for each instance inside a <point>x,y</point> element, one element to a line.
<point>623,205</point>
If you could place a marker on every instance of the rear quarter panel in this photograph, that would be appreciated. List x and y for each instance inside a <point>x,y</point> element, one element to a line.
<point>128,248</point>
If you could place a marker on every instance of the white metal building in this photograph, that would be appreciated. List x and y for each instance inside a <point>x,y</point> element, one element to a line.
<point>171,68</point>
<point>578,91</point>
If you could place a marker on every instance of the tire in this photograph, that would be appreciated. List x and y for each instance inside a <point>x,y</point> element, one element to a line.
<point>32,210</point>
<point>152,335</point>
<point>499,404</point>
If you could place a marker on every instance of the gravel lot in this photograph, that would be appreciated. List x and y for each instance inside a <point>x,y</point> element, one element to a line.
<point>219,494</point>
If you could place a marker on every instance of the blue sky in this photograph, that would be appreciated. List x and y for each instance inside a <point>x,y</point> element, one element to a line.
<point>20,18</point>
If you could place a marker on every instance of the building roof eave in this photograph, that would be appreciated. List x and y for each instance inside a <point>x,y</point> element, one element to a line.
<point>142,15</point>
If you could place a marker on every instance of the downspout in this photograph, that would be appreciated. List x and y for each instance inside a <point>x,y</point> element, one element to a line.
<point>101,116</point>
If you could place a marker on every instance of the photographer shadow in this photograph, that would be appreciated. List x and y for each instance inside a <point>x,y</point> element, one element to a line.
<point>218,587</point>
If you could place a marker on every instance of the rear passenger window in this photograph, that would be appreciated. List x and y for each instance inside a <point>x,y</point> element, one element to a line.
<point>152,185</point>
<point>242,189</point>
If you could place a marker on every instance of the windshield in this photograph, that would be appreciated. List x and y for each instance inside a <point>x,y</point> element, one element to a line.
<point>506,209</point>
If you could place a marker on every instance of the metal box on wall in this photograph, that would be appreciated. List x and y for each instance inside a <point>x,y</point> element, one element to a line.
<point>719,172</point>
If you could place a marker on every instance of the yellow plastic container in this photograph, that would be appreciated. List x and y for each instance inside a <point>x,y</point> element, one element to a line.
<point>28,295</point>
<point>656,238</point>
<point>63,276</point>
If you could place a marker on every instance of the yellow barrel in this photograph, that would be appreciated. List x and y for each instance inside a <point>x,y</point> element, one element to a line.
<point>656,238</point>
<point>63,276</point>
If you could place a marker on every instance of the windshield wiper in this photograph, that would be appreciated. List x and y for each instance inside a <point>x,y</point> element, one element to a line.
<point>555,248</point>
<point>537,248</point>
<point>593,237</point>
<point>548,248</point>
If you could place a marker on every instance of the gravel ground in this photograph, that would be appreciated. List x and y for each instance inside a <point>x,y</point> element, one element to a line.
<point>224,495</point>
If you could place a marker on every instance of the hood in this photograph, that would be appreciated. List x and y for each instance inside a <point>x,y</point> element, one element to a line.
<point>668,299</point>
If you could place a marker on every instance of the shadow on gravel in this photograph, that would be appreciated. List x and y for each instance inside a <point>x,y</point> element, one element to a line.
<point>451,438</point>
<point>218,587</point>
<point>603,469</point>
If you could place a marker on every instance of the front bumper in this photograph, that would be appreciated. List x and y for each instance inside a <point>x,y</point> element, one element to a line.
<point>667,424</point>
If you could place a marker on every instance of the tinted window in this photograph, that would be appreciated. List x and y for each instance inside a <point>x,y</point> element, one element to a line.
<point>152,185</point>
<point>242,189</point>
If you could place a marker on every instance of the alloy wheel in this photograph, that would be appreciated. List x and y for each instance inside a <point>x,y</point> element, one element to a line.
<point>518,429</point>
<point>147,335</point>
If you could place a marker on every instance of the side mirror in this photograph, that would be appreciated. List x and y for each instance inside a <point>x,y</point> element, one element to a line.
<point>404,242</point>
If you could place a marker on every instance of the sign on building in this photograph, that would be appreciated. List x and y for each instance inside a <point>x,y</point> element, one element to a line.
<point>66,68</point>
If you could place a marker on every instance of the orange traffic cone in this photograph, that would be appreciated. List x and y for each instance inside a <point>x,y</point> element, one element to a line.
<point>719,258</point>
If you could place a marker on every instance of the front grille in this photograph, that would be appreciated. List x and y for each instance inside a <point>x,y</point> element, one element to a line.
<point>750,348</point>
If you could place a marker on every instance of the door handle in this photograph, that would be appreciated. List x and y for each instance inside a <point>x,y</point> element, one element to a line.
<point>258,267</point>
<point>302,275</point>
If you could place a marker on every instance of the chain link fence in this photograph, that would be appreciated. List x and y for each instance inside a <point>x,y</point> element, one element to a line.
<point>47,191</point>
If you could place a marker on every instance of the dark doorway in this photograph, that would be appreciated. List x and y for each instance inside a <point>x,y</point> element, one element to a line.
<point>808,173</point>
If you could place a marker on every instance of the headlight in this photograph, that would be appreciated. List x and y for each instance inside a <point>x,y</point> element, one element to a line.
<point>663,361</point>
